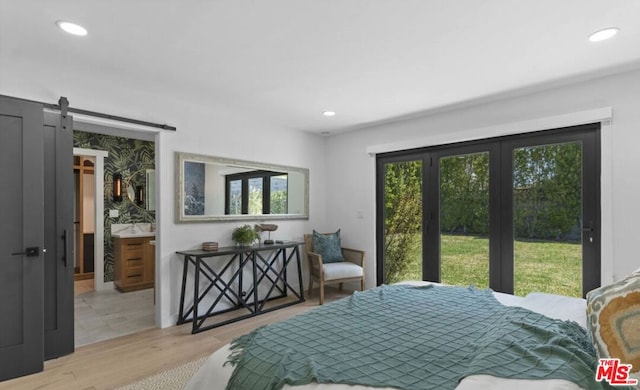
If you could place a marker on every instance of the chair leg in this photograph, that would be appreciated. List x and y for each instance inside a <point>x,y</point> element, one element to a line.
<point>340,287</point>
<point>321,293</point>
<point>362,284</point>
<point>310,284</point>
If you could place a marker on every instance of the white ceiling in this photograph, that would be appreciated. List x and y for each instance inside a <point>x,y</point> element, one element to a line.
<point>287,61</point>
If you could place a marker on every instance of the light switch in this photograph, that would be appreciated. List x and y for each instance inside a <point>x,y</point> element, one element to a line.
<point>113,213</point>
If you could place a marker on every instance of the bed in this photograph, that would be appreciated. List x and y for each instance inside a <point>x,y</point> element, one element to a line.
<point>215,374</point>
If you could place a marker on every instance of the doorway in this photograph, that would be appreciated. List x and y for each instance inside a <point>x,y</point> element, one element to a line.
<point>106,312</point>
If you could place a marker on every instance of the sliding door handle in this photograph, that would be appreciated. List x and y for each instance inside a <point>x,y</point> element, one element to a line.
<point>32,251</point>
<point>587,232</point>
<point>64,245</point>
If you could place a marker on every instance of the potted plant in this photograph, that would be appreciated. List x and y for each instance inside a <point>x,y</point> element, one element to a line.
<point>244,235</point>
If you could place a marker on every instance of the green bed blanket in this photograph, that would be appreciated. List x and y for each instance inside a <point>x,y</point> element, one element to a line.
<point>410,337</point>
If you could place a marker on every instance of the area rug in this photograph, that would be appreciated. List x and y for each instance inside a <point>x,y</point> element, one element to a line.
<point>172,379</point>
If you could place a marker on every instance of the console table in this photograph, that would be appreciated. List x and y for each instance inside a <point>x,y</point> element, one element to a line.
<point>257,269</point>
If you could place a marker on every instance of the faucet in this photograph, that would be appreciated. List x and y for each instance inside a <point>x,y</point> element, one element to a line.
<point>133,227</point>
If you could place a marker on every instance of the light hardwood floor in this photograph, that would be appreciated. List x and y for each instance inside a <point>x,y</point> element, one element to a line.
<point>117,362</point>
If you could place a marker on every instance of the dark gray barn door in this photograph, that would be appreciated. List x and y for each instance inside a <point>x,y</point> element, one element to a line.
<point>58,224</point>
<point>36,251</point>
<point>21,238</point>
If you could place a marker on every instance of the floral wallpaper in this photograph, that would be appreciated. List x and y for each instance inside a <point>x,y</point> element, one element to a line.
<point>131,158</point>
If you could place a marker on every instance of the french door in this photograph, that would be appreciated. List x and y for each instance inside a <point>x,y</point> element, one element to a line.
<point>517,214</point>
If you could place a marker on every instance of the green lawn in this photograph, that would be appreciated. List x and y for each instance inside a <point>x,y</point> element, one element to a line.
<point>553,267</point>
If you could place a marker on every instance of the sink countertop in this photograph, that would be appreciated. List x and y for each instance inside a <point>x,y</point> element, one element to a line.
<point>123,230</point>
<point>133,235</point>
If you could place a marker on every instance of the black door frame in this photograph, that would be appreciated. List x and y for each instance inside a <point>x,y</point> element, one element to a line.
<point>500,200</point>
<point>402,156</point>
<point>589,136</point>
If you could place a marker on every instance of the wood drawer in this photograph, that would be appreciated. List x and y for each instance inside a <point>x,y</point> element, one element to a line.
<point>133,247</point>
<point>133,264</point>
<point>136,262</point>
<point>134,279</point>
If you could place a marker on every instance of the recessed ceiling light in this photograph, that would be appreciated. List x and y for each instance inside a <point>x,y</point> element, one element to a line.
<point>325,133</point>
<point>603,34</point>
<point>71,28</point>
<point>329,113</point>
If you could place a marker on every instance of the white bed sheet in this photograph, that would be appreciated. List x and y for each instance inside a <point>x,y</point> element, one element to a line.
<point>214,376</point>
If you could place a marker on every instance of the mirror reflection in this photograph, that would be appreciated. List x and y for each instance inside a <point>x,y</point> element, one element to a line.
<point>215,188</point>
<point>137,187</point>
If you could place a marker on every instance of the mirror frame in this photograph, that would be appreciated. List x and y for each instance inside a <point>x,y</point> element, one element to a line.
<point>180,159</point>
<point>129,180</point>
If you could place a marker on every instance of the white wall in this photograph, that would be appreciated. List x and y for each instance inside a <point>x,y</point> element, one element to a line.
<point>352,170</point>
<point>209,128</point>
<point>232,137</point>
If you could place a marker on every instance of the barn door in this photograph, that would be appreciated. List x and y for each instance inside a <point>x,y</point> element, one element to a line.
<point>36,200</point>
<point>21,238</point>
<point>58,223</point>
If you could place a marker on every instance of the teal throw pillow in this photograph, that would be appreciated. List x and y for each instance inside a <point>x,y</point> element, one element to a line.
<point>328,246</point>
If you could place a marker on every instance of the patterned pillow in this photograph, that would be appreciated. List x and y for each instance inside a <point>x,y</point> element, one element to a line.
<point>613,319</point>
<point>328,246</point>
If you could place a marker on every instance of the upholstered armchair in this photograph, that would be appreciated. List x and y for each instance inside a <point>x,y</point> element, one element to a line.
<point>349,270</point>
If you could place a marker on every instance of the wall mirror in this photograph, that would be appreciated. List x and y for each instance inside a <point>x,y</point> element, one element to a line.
<point>212,188</point>
<point>139,189</point>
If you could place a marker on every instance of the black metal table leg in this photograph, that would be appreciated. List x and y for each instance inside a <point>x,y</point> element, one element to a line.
<point>196,296</point>
<point>185,269</point>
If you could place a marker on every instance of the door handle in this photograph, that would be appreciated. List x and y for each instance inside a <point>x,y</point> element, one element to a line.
<point>32,251</point>
<point>588,232</point>
<point>64,245</point>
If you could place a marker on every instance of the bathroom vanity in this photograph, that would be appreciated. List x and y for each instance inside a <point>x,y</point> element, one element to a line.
<point>133,261</point>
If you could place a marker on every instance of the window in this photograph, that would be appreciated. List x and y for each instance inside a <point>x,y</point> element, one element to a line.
<point>517,214</point>
<point>256,192</point>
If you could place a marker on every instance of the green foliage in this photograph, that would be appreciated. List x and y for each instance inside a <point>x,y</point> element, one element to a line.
<point>464,194</point>
<point>244,235</point>
<point>278,202</point>
<point>403,215</point>
<point>547,197</point>
<point>547,191</point>
<point>255,200</point>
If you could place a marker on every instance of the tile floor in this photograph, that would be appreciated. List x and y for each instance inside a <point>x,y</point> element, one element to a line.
<point>108,314</point>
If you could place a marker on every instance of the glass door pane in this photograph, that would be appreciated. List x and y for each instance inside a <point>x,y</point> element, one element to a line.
<point>547,219</point>
<point>278,201</point>
<point>255,195</point>
<point>464,219</point>
<point>402,221</point>
<point>235,197</point>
